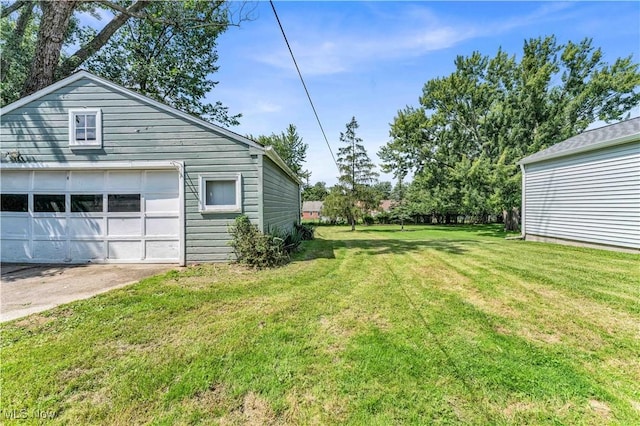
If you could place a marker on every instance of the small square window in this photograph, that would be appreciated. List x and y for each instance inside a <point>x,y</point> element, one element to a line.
<point>221,193</point>
<point>85,128</point>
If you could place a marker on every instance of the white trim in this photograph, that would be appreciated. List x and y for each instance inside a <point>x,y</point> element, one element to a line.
<point>211,177</point>
<point>523,207</point>
<point>73,142</point>
<point>182,232</point>
<point>586,148</point>
<point>95,165</point>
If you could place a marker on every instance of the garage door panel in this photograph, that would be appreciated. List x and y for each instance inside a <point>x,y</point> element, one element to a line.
<point>12,181</point>
<point>124,250</point>
<point>124,181</point>
<point>118,226</point>
<point>49,227</point>
<point>15,250</point>
<point>162,226</point>
<point>86,227</point>
<point>162,250</point>
<point>161,203</point>
<point>54,251</point>
<point>86,181</point>
<point>87,250</point>
<point>15,227</point>
<point>161,181</point>
<point>49,181</point>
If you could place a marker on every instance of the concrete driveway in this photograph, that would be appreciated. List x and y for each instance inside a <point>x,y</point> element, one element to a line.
<point>27,289</point>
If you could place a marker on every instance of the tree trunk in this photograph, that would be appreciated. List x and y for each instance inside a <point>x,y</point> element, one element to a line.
<point>511,219</point>
<point>15,39</point>
<point>53,26</point>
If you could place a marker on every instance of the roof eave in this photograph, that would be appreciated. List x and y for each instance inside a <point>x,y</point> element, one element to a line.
<point>603,144</point>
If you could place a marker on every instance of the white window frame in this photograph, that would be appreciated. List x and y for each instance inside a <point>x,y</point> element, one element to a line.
<point>229,208</point>
<point>76,144</point>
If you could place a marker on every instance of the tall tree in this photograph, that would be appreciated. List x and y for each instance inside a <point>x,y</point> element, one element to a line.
<point>475,124</point>
<point>290,147</point>
<point>357,173</point>
<point>168,47</point>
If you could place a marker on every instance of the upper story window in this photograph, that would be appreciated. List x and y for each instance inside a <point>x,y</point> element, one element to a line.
<point>85,128</point>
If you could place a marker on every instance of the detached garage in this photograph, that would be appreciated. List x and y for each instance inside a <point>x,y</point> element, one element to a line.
<point>586,190</point>
<point>93,172</point>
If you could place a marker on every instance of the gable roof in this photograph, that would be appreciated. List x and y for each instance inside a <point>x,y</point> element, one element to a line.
<point>312,206</point>
<point>613,134</point>
<point>79,75</point>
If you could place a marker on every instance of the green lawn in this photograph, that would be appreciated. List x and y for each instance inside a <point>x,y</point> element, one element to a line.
<point>377,326</point>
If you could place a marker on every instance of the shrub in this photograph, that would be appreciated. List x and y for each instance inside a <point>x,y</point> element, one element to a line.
<point>253,248</point>
<point>383,218</point>
<point>306,230</point>
<point>367,220</point>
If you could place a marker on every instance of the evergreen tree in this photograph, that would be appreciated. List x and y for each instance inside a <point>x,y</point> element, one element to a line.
<point>357,174</point>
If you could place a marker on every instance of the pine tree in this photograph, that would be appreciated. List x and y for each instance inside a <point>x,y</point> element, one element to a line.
<point>357,173</point>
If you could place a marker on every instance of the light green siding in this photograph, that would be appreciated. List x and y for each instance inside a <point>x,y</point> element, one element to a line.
<point>281,195</point>
<point>136,131</point>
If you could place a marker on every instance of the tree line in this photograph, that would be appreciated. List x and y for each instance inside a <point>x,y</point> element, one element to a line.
<point>462,143</point>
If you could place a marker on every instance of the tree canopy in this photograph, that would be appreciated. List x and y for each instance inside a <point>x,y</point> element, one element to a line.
<point>165,50</point>
<point>463,142</point>
<point>290,147</point>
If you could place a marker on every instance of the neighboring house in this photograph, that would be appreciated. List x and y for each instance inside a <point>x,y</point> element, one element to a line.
<point>586,190</point>
<point>311,209</point>
<point>93,172</point>
<point>386,205</point>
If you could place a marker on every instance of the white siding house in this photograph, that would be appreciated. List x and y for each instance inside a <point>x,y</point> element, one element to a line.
<point>586,190</point>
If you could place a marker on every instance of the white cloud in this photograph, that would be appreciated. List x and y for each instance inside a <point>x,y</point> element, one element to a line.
<point>412,32</point>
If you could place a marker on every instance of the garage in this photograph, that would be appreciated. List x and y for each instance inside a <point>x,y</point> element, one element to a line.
<point>84,214</point>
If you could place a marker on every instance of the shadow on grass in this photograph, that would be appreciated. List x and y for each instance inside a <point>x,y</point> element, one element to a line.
<point>490,230</point>
<point>325,249</point>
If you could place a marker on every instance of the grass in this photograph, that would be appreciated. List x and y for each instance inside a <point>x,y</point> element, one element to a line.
<point>433,325</point>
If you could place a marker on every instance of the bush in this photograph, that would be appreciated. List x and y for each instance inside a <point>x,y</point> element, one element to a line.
<point>367,220</point>
<point>383,218</point>
<point>253,248</point>
<point>306,230</point>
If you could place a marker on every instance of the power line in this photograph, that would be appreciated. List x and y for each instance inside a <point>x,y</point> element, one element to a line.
<point>303,83</point>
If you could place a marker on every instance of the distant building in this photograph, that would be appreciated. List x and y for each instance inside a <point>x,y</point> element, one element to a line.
<point>311,209</point>
<point>585,190</point>
<point>386,205</point>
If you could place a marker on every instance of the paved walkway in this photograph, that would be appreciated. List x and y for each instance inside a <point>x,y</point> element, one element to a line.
<point>27,289</point>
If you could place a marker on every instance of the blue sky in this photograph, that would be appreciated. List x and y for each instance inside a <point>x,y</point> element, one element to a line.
<point>370,59</point>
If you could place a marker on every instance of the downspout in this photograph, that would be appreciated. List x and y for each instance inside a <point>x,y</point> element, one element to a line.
<point>523,207</point>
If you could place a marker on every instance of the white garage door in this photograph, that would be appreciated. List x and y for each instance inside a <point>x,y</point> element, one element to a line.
<point>90,215</point>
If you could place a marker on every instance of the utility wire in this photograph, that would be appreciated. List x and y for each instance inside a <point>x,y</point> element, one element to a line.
<point>303,83</point>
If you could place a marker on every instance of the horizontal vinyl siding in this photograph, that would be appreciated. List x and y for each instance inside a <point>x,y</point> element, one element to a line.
<point>281,198</point>
<point>135,131</point>
<point>592,197</point>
